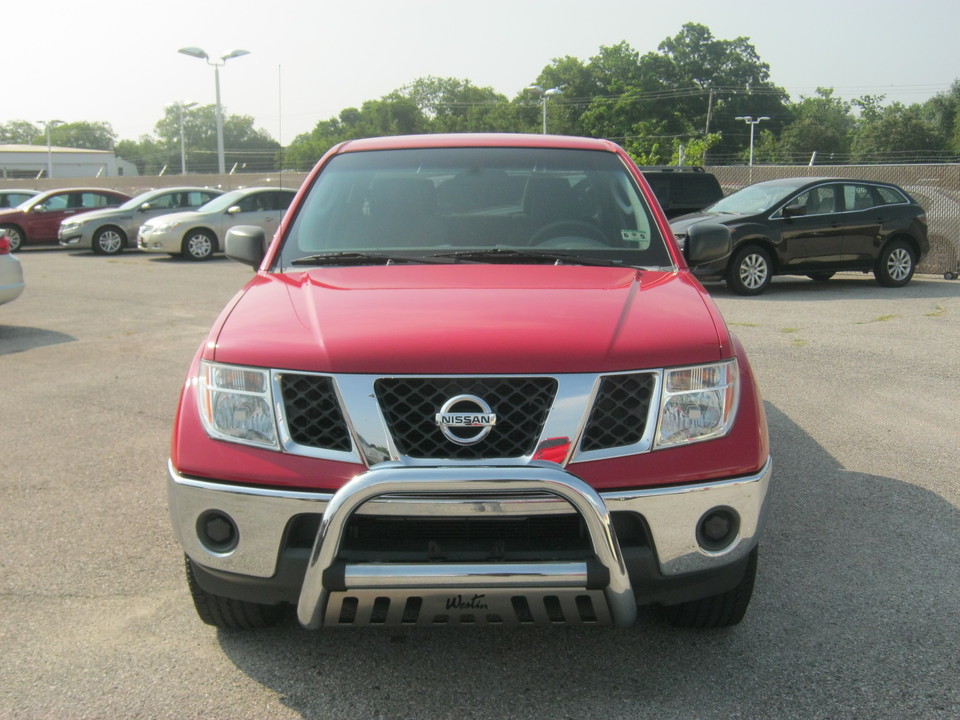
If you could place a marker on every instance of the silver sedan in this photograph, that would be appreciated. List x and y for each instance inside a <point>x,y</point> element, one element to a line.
<point>109,231</point>
<point>198,235</point>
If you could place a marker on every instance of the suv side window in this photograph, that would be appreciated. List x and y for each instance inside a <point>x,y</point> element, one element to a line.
<point>857,197</point>
<point>94,200</point>
<point>819,200</point>
<point>889,196</point>
<point>57,202</point>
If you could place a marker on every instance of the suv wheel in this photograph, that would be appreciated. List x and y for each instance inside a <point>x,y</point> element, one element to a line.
<point>108,241</point>
<point>895,265</point>
<point>718,611</point>
<point>228,613</point>
<point>749,271</point>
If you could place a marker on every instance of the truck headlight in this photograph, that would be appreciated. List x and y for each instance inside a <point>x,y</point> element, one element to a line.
<point>236,404</point>
<point>698,403</point>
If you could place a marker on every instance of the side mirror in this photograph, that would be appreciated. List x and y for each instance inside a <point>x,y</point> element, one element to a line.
<point>146,206</point>
<point>233,210</point>
<point>246,244</point>
<point>707,242</point>
<point>794,210</point>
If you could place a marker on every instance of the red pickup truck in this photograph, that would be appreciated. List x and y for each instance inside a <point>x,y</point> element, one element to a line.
<point>473,381</point>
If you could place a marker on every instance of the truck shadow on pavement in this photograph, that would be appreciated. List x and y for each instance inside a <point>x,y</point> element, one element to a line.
<point>15,339</point>
<point>855,614</point>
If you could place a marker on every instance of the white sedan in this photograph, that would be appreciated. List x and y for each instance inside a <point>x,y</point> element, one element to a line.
<point>198,234</point>
<point>11,274</point>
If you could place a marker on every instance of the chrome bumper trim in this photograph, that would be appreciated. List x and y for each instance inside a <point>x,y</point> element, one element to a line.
<point>263,514</point>
<point>377,483</point>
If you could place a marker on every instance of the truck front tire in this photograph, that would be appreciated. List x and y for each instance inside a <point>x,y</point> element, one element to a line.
<point>228,613</point>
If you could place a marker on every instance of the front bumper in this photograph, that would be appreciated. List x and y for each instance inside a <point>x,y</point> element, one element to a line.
<point>158,242</point>
<point>322,584</point>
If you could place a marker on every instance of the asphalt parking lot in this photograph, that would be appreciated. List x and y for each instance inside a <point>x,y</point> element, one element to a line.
<point>856,612</point>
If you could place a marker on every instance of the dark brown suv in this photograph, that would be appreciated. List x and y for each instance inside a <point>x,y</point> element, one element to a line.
<point>814,227</point>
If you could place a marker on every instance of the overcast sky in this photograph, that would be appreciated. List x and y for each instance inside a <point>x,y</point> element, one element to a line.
<point>116,61</point>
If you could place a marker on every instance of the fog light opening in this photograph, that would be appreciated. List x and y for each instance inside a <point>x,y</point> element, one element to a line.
<point>218,532</point>
<point>718,529</point>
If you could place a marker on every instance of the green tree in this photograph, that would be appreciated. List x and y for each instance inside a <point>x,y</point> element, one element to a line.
<point>706,83</point>
<point>942,115</point>
<point>18,132</point>
<point>453,105</point>
<point>896,133</point>
<point>822,124</point>
<point>86,135</point>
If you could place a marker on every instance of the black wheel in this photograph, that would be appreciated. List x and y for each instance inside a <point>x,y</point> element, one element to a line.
<point>228,613</point>
<point>109,240</point>
<point>949,276</point>
<point>749,271</point>
<point>569,229</point>
<point>198,245</point>
<point>820,276</point>
<point>896,264</point>
<point>14,235</point>
<point>719,611</point>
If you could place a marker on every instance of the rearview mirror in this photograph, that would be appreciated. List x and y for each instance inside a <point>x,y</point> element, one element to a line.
<point>233,210</point>
<point>794,210</point>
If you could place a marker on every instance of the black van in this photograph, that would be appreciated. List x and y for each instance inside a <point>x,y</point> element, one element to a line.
<point>682,189</point>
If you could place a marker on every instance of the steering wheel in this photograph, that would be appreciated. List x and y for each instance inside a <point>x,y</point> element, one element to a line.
<point>588,235</point>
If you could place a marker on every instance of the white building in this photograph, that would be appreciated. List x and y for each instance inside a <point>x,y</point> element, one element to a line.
<point>33,161</point>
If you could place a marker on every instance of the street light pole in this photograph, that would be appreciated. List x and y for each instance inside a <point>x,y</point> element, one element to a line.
<point>544,94</point>
<point>47,124</point>
<point>752,122</point>
<point>202,54</point>
<point>183,150</point>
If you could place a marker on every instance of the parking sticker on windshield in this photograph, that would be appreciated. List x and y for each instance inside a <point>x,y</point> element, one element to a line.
<point>639,237</point>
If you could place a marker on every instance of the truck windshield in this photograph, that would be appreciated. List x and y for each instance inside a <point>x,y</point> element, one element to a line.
<point>442,202</point>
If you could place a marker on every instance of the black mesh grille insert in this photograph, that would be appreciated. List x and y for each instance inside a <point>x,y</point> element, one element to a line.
<point>619,415</point>
<point>313,414</point>
<point>422,539</point>
<point>410,406</point>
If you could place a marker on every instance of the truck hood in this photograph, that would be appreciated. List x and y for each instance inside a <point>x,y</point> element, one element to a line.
<point>467,319</point>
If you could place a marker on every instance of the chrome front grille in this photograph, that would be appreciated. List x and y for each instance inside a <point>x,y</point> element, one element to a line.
<point>370,419</point>
<point>410,406</point>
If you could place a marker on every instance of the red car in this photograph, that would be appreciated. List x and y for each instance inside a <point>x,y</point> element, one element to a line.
<point>37,221</point>
<point>472,382</point>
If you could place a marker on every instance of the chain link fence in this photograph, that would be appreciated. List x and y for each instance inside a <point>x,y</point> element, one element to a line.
<point>935,187</point>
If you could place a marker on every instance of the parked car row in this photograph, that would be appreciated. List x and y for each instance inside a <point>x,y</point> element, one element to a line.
<point>814,227</point>
<point>790,226</point>
<point>195,219</point>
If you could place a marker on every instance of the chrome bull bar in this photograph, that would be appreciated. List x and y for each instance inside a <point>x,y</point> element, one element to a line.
<point>467,592</point>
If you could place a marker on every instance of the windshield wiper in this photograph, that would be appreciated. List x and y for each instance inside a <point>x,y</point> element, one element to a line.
<point>358,258</point>
<point>507,255</point>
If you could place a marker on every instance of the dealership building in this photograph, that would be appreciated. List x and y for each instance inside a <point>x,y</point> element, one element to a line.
<point>37,161</point>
